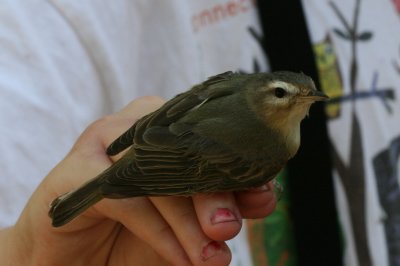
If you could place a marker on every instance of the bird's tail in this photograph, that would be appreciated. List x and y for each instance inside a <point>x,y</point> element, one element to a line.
<point>68,206</point>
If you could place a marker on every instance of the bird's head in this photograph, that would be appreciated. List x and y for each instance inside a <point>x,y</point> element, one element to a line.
<point>282,100</point>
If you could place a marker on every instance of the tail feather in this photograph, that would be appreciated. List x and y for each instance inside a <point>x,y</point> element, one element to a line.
<point>68,206</point>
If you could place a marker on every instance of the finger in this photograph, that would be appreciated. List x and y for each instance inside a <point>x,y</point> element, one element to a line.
<point>218,215</point>
<point>127,117</point>
<point>142,219</point>
<point>256,203</point>
<point>141,254</point>
<point>180,214</point>
<point>141,106</point>
<point>100,134</point>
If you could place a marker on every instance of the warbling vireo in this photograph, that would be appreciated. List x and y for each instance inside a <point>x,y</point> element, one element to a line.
<point>231,132</point>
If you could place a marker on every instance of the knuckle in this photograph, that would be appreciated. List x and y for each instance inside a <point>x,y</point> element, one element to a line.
<point>150,99</point>
<point>91,138</point>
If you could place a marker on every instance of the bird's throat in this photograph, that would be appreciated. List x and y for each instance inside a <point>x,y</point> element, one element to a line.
<point>292,138</point>
<point>289,129</point>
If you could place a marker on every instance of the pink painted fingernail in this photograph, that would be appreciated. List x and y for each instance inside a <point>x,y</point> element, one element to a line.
<point>210,250</point>
<point>223,215</point>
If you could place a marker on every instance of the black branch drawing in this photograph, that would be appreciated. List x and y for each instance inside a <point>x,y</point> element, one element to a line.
<point>351,33</point>
<point>385,95</point>
<point>260,40</point>
<point>352,173</point>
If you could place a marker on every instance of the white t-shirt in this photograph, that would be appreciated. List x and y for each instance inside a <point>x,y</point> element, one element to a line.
<point>65,63</point>
<point>364,123</point>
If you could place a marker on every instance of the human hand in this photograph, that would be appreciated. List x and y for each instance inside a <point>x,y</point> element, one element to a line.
<point>138,231</point>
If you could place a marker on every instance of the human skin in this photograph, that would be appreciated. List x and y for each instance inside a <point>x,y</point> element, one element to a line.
<point>133,231</point>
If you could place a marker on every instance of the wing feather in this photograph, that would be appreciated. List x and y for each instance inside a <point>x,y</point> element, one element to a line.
<point>170,157</point>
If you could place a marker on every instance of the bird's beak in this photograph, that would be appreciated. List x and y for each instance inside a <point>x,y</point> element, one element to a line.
<point>315,95</point>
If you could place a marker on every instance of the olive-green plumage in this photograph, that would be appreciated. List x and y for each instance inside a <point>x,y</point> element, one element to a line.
<point>231,132</point>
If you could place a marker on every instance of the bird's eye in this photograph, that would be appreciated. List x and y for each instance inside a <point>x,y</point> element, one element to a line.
<point>280,92</point>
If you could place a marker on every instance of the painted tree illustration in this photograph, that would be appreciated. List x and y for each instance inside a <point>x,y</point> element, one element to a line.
<point>352,173</point>
<point>259,38</point>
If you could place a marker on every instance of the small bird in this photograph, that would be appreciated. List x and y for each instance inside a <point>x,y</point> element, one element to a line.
<point>231,132</point>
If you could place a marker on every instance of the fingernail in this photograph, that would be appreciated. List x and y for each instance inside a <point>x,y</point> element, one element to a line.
<point>263,188</point>
<point>210,250</point>
<point>223,215</point>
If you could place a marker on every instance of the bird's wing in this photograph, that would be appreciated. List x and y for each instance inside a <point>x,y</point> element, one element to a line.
<point>171,164</point>
<point>173,172</point>
<point>170,157</point>
<point>173,110</point>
